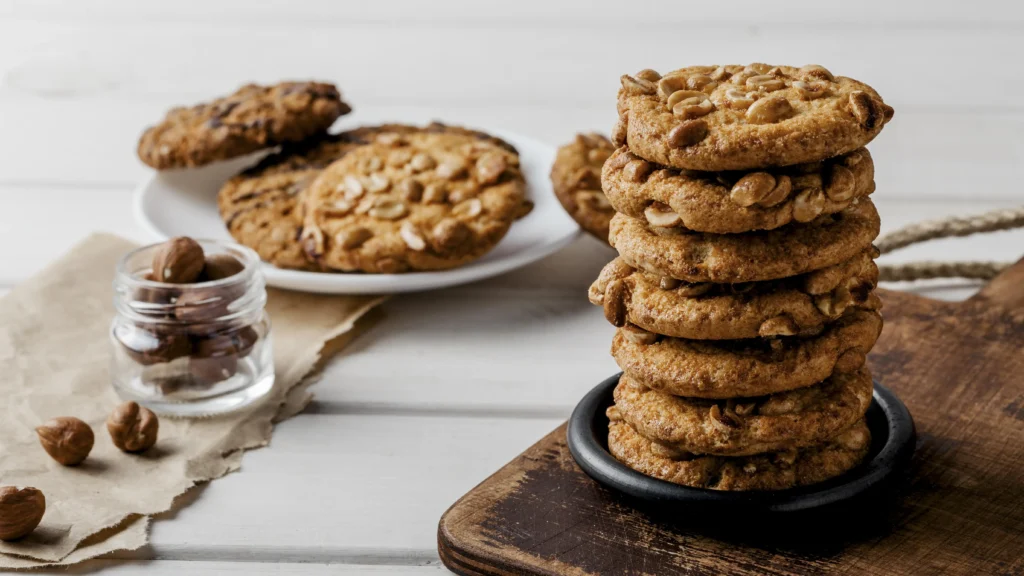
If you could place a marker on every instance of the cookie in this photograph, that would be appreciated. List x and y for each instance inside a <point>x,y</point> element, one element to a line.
<point>717,369</point>
<point>730,202</point>
<point>705,311</point>
<point>744,426</point>
<point>771,471</point>
<point>716,118</point>
<point>259,206</point>
<point>253,118</point>
<point>749,257</point>
<point>576,178</point>
<point>420,201</point>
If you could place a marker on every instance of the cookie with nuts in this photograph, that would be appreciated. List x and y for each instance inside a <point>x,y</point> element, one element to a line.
<point>260,206</point>
<point>705,311</point>
<point>252,118</point>
<point>576,178</point>
<point>717,118</point>
<point>749,257</point>
<point>731,202</point>
<point>769,471</point>
<point>428,200</point>
<point>719,369</point>
<point>745,426</point>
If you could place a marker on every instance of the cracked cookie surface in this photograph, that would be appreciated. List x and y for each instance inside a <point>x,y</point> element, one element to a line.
<point>719,369</point>
<point>716,118</point>
<point>576,179</point>
<point>770,471</point>
<point>705,311</point>
<point>252,118</point>
<point>749,257</point>
<point>418,201</point>
<point>731,202</point>
<point>744,426</point>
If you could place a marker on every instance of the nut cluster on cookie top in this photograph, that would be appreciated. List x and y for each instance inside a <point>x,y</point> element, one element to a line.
<point>425,200</point>
<point>717,118</point>
<point>743,288</point>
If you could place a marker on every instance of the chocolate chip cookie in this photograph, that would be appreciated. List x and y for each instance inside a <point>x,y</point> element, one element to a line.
<point>744,426</point>
<point>770,471</point>
<point>706,311</point>
<point>719,369</point>
<point>253,118</point>
<point>717,118</point>
<point>576,178</point>
<point>730,202</point>
<point>419,201</point>
<point>749,257</point>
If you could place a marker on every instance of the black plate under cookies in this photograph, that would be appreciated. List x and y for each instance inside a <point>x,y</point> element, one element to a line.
<point>892,444</point>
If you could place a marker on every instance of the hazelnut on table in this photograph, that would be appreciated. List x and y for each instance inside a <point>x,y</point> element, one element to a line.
<point>20,511</point>
<point>68,440</point>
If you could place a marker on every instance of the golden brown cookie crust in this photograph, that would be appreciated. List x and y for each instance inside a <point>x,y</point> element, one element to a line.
<point>742,368</point>
<point>408,202</point>
<point>744,426</point>
<point>749,257</point>
<point>786,307</point>
<point>743,118</point>
<point>252,118</point>
<point>576,178</point>
<point>772,471</point>
<point>731,202</point>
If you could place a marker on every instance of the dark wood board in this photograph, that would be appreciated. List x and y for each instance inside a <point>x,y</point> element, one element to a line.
<point>959,367</point>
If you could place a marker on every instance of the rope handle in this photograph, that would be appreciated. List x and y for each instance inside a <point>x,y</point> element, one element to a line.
<point>1002,219</point>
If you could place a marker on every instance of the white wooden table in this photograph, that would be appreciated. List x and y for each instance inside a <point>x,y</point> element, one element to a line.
<point>450,385</point>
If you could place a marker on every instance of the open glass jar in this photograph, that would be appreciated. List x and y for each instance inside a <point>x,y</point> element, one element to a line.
<point>191,349</point>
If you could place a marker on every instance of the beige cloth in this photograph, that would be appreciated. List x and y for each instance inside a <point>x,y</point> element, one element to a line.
<point>54,354</point>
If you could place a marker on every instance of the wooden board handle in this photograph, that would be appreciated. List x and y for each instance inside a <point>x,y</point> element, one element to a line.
<point>1006,290</point>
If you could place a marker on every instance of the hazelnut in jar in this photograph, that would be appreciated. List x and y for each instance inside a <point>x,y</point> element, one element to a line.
<point>197,343</point>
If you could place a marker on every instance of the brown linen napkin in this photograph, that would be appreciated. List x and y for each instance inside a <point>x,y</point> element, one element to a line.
<point>54,355</point>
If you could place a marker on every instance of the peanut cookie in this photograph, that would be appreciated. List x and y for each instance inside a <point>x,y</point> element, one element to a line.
<point>729,202</point>
<point>420,201</point>
<point>260,205</point>
<point>756,367</point>
<point>749,257</point>
<point>576,178</point>
<point>705,311</point>
<point>745,426</point>
<point>718,118</point>
<point>771,471</point>
<point>253,118</point>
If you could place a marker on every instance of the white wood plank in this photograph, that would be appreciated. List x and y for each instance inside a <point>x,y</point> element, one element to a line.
<point>535,63</point>
<point>199,568</point>
<point>350,488</point>
<point>870,13</point>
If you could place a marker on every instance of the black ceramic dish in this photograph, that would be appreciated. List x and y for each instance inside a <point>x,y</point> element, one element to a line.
<point>892,444</point>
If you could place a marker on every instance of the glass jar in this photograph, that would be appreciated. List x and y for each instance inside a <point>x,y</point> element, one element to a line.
<point>191,349</point>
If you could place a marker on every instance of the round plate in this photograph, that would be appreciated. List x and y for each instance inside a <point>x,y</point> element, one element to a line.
<point>184,203</point>
<point>892,444</point>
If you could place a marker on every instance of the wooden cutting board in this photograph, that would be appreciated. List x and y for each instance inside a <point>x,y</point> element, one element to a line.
<point>959,367</point>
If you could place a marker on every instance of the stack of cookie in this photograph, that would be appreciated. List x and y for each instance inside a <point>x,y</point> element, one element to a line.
<point>378,199</point>
<point>743,287</point>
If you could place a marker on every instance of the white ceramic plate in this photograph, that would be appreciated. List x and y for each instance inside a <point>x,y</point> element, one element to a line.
<point>184,203</point>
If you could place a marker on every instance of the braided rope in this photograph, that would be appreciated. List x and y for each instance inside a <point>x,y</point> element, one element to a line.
<point>1003,219</point>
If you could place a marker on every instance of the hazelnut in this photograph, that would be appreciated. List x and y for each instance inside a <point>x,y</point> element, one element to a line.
<point>20,511</point>
<point>178,261</point>
<point>220,266</point>
<point>209,371</point>
<point>67,440</point>
<point>148,347</point>
<point>132,428</point>
<point>222,344</point>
